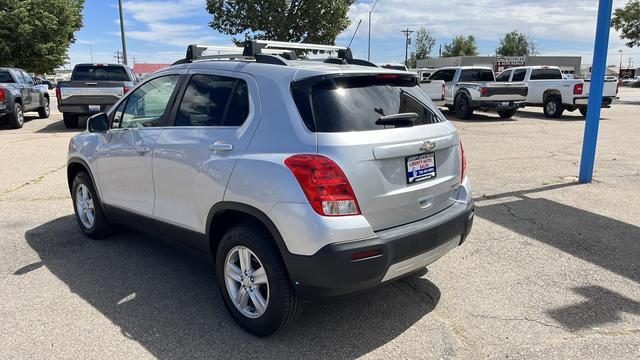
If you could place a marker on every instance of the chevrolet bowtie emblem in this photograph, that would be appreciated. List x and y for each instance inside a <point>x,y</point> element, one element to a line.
<point>427,146</point>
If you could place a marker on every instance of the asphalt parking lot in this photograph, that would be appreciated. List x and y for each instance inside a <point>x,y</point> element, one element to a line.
<point>551,269</point>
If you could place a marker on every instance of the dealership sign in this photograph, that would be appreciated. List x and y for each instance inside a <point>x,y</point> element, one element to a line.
<point>505,62</point>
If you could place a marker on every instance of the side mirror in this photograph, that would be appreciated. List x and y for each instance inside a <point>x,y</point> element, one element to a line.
<point>98,123</point>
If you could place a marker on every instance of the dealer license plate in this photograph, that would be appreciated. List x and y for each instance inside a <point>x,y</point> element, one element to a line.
<point>94,108</point>
<point>505,103</point>
<point>421,167</point>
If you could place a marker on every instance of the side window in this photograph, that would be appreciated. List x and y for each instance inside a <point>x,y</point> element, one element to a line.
<point>504,76</point>
<point>519,75</point>
<point>27,78</point>
<point>117,115</point>
<point>212,100</point>
<point>148,103</point>
<point>436,75</point>
<point>546,74</point>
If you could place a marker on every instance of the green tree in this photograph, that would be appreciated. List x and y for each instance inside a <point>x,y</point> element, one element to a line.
<point>35,35</point>
<point>425,42</point>
<point>318,21</point>
<point>516,43</point>
<point>627,21</point>
<point>461,46</point>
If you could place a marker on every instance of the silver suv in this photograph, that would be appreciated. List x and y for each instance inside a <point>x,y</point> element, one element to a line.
<point>301,179</point>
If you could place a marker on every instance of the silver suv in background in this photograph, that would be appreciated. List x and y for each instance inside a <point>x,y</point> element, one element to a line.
<point>302,179</point>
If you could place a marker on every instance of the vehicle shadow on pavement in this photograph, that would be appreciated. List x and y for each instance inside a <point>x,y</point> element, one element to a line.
<point>600,240</point>
<point>538,114</point>
<point>476,117</point>
<point>166,299</point>
<point>58,126</point>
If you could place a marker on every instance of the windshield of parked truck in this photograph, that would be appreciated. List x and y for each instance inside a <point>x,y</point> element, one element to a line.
<point>476,75</point>
<point>546,74</point>
<point>99,73</point>
<point>5,77</point>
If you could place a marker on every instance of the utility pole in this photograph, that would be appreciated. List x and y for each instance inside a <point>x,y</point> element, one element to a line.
<point>621,52</point>
<point>91,52</point>
<point>118,56</point>
<point>440,52</point>
<point>407,34</point>
<point>369,47</point>
<point>124,42</point>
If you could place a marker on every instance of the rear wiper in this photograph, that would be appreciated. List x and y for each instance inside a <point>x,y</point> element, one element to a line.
<point>400,120</point>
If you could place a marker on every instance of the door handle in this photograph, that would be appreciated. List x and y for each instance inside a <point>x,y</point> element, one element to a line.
<point>142,149</point>
<point>220,146</point>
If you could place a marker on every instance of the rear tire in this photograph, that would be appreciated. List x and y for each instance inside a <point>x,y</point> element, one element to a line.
<point>45,110</point>
<point>553,107</point>
<point>463,107</point>
<point>583,111</point>
<point>16,118</point>
<point>507,114</point>
<point>88,209</point>
<point>70,120</point>
<point>280,307</point>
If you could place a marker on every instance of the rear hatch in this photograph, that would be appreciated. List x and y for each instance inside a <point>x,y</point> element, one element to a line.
<point>400,172</point>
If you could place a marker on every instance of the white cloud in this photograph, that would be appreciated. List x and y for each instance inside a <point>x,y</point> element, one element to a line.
<point>167,22</point>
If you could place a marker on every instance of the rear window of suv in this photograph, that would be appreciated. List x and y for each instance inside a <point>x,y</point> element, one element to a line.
<point>355,103</point>
<point>99,73</point>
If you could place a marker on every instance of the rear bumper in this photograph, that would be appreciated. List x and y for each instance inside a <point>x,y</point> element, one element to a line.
<point>82,109</point>
<point>499,105</point>
<point>584,101</point>
<point>402,250</point>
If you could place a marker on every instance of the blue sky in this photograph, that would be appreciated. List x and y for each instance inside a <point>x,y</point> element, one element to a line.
<point>160,30</point>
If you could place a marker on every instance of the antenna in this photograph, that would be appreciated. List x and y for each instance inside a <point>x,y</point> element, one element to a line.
<point>354,33</point>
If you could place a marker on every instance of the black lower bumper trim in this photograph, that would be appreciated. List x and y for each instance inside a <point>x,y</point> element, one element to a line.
<point>331,271</point>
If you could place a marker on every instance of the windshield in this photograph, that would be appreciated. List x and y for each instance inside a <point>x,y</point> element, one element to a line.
<point>476,75</point>
<point>5,77</point>
<point>99,73</point>
<point>342,104</point>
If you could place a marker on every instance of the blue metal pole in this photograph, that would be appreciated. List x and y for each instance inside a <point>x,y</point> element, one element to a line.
<point>599,66</point>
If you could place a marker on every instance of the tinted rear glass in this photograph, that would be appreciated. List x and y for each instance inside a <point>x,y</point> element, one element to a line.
<point>5,77</point>
<point>343,104</point>
<point>519,75</point>
<point>99,73</point>
<point>476,75</point>
<point>546,74</point>
<point>395,67</point>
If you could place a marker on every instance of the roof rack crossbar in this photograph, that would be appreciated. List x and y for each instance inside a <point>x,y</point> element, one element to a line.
<point>253,47</point>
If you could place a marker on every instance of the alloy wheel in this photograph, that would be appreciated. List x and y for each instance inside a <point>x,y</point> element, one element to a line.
<point>246,282</point>
<point>85,207</point>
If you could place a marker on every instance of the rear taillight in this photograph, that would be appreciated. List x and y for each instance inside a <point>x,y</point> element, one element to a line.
<point>125,89</point>
<point>324,184</point>
<point>2,96</point>
<point>484,92</point>
<point>463,162</point>
<point>58,93</point>
<point>577,89</point>
<point>444,89</point>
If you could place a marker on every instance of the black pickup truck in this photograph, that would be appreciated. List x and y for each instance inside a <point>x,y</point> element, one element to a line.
<point>93,88</point>
<point>19,93</point>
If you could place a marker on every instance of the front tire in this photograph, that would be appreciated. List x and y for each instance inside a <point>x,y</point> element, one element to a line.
<point>507,114</point>
<point>45,110</point>
<point>70,120</point>
<point>16,119</point>
<point>87,207</point>
<point>463,107</point>
<point>254,283</point>
<point>553,107</point>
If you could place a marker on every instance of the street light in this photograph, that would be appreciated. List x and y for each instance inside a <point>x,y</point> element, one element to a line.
<point>124,42</point>
<point>369,48</point>
<point>620,71</point>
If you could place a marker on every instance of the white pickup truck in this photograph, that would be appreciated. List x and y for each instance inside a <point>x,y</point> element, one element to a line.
<point>548,88</point>
<point>468,88</point>
<point>434,89</point>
